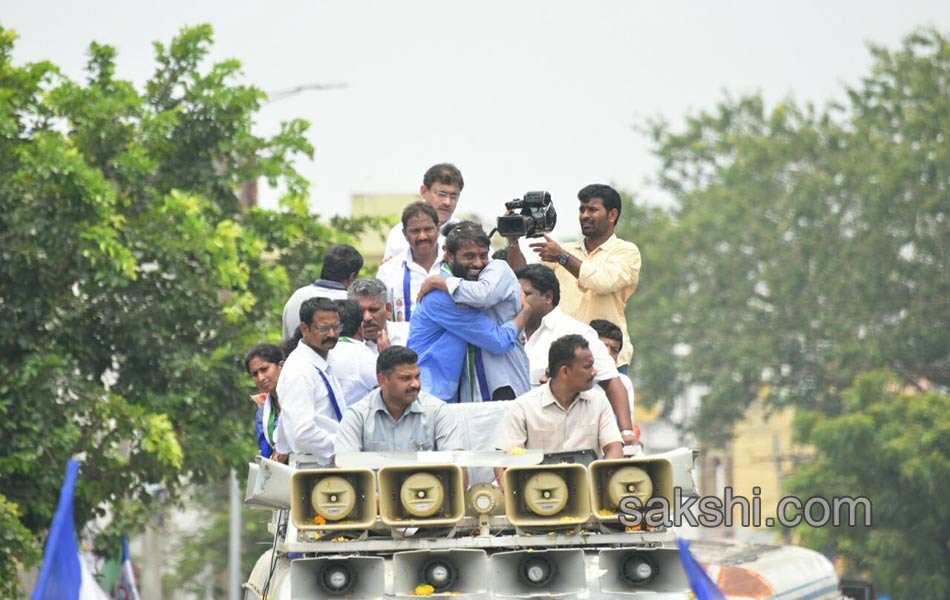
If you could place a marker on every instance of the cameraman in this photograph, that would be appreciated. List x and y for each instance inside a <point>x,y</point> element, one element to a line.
<point>597,274</point>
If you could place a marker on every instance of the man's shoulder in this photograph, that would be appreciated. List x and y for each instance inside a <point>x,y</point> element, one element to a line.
<point>616,243</point>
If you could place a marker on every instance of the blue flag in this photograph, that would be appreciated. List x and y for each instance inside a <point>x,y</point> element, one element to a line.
<point>64,575</point>
<point>125,588</point>
<point>699,580</point>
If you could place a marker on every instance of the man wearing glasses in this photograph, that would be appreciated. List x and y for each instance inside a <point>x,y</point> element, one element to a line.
<point>441,187</point>
<point>311,397</point>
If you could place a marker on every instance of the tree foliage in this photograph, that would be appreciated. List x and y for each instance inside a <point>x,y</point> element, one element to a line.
<point>806,245</point>
<point>807,248</point>
<point>132,282</point>
<point>906,435</point>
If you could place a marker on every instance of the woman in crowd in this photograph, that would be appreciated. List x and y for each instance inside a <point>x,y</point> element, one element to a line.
<point>263,364</point>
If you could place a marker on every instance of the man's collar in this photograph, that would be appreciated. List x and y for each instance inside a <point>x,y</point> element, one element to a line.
<point>312,355</point>
<point>332,285</point>
<point>610,241</point>
<point>547,396</point>
<point>379,404</point>
<point>549,320</point>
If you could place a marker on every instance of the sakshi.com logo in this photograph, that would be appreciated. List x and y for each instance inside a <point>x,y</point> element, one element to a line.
<point>713,511</point>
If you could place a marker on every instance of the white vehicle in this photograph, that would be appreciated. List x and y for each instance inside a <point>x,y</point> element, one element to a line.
<point>408,527</point>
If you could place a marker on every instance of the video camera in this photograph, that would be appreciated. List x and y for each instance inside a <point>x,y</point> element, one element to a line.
<point>537,216</point>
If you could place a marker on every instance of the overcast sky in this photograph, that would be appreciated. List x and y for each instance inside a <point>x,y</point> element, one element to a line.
<point>520,95</point>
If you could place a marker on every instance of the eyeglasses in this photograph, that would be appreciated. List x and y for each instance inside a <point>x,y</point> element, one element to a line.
<point>327,328</point>
<point>443,195</point>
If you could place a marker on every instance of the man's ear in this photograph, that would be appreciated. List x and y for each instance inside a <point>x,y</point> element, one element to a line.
<point>613,215</point>
<point>303,328</point>
<point>380,379</point>
<point>349,280</point>
<point>423,190</point>
<point>389,310</point>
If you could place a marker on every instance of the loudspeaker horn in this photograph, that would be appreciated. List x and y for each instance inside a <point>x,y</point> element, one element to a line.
<point>421,495</point>
<point>613,480</point>
<point>447,571</point>
<point>638,570</point>
<point>538,573</point>
<point>338,577</point>
<point>547,495</point>
<point>333,499</point>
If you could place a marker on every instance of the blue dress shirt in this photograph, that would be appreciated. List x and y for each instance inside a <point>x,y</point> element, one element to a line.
<point>440,333</point>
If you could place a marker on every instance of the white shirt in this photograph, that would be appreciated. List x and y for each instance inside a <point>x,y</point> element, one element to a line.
<point>308,423</point>
<point>629,385</point>
<point>320,288</point>
<point>556,324</point>
<point>354,366</point>
<point>393,273</point>
<point>398,334</point>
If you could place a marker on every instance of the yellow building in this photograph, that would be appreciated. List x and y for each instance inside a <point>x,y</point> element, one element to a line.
<point>370,243</point>
<point>754,465</point>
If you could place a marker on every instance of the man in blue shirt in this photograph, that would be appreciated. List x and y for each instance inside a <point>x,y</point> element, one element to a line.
<point>442,330</point>
<point>495,290</point>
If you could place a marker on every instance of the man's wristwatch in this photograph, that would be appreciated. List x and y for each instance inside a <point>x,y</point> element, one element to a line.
<point>562,259</point>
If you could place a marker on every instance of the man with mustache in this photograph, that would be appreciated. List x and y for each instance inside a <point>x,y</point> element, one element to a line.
<point>597,274</point>
<point>311,397</point>
<point>404,274</point>
<point>398,416</point>
<point>441,187</point>
<point>565,414</point>
<point>442,331</point>
<point>374,301</point>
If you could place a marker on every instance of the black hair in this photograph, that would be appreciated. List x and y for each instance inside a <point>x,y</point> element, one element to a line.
<point>266,352</point>
<point>312,305</point>
<point>444,173</point>
<point>563,352</point>
<point>609,196</point>
<point>419,208</point>
<point>542,278</point>
<point>392,357</point>
<point>463,233</point>
<point>340,262</point>
<point>605,328</point>
<point>351,316</point>
<point>500,254</point>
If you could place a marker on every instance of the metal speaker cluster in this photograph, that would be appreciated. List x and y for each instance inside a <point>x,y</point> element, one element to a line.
<point>421,496</point>
<point>338,577</point>
<point>658,571</point>
<point>547,495</point>
<point>541,573</point>
<point>447,571</point>
<point>611,481</point>
<point>333,499</point>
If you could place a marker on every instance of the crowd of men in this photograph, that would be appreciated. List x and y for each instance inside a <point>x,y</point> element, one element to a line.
<point>372,364</point>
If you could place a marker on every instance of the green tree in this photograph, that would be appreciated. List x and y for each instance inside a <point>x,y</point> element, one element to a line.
<point>889,445</point>
<point>806,245</point>
<point>131,282</point>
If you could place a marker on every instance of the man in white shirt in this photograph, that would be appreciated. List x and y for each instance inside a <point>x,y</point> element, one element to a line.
<point>548,323</point>
<point>403,274</point>
<point>341,266</point>
<point>310,396</point>
<point>565,414</point>
<point>612,337</point>
<point>441,187</point>
<point>353,363</point>
<point>378,333</point>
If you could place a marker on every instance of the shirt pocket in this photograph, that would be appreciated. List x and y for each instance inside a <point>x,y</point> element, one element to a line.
<point>375,446</point>
<point>418,444</point>
<point>544,438</point>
